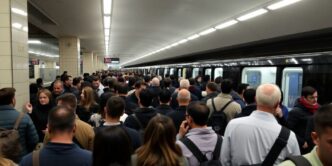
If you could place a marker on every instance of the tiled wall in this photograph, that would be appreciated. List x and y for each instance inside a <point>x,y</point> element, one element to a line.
<point>69,48</point>
<point>88,62</point>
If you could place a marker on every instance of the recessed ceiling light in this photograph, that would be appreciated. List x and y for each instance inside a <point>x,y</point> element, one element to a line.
<point>207,31</point>
<point>107,32</point>
<point>281,4</point>
<point>107,22</point>
<point>34,41</point>
<point>107,4</point>
<point>252,14</point>
<point>226,24</point>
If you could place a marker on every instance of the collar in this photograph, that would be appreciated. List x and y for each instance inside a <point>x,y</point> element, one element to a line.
<point>112,124</point>
<point>224,95</point>
<point>200,131</point>
<point>265,116</point>
<point>314,155</point>
<point>6,107</point>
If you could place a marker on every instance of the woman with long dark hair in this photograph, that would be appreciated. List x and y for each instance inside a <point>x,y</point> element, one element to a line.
<point>159,146</point>
<point>87,105</point>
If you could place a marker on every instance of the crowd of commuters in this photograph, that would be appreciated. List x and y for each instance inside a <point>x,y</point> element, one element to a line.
<point>114,118</point>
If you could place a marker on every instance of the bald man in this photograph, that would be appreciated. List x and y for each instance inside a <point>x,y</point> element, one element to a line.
<point>184,84</point>
<point>183,98</point>
<point>248,140</point>
<point>155,91</point>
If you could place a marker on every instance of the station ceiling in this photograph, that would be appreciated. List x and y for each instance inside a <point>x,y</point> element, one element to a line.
<point>140,27</point>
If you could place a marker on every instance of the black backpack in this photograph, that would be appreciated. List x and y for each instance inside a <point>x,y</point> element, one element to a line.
<point>141,128</point>
<point>202,158</point>
<point>218,119</point>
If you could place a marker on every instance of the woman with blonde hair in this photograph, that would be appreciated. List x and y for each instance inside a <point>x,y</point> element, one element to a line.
<point>87,105</point>
<point>159,146</point>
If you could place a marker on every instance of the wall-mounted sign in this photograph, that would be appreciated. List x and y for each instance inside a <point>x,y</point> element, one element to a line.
<point>34,61</point>
<point>112,60</point>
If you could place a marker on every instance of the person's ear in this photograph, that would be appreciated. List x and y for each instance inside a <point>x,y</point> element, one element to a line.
<point>314,137</point>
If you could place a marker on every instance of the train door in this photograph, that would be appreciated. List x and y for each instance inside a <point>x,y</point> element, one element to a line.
<point>165,72</point>
<point>208,71</point>
<point>254,76</point>
<point>195,72</point>
<point>179,72</point>
<point>171,71</point>
<point>218,72</point>
<point>291,85</point>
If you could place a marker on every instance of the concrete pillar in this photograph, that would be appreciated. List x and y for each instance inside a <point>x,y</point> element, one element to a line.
<point>14,61</point>
<point>88,64</point>
<point>95,63</point>
<point>69,49</point>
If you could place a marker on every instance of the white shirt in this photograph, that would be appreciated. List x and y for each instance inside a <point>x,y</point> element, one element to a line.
<point>100,90</point>
<point>249,139</point>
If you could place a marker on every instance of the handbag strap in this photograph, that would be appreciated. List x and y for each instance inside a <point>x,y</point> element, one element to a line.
<point>35,158</point>
<point>278,145</point>
<point>18,120</point>
<point>194,149</point>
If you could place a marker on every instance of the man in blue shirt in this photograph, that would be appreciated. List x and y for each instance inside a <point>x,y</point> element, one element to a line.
<point>60,150</point>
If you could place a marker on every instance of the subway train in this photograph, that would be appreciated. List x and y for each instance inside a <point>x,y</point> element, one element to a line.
<point>289,72</point>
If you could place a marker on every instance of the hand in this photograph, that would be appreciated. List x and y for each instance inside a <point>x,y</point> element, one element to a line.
<point>279,113</point>
<point>184,127</point>
<point>28,107</point>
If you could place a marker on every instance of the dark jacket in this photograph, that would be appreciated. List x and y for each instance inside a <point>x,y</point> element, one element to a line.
<point>164,109</point>
<point>209,96</point>
<point>39,116</point>
<point>247,110</point>
<point>85,114</point>
<point>196,91</point>
<point>297,121</point>
<point>54,154</point>
<point>143,114</point>
<point>27,131</point>
<point>155,91</point>
<point>236,97</point>
<point>133,134</point>
<point>178,116</point>
<point>131,103</point>
<point>174,103</point>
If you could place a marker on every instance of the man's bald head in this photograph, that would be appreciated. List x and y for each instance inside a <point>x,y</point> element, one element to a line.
<point>268,95</point>
<point>183,97</point>
<point>155,82</point>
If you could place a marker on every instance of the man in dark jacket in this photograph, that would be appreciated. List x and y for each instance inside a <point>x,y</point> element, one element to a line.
<point>141,117</point>
<point>299,116</point>
<point>249,98</point>
<point>211,90</point>
<point>184,84</point>
<point>8,116</point>
<point>164,99</point>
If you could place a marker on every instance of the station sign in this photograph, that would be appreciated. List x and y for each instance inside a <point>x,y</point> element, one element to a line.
<point>112,60</point>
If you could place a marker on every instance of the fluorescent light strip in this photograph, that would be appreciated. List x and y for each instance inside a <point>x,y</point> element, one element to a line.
<point>25,29</point>
<point>226,24</point>
<point>107,32</point>
<point>107,4</point>
<point>183,41</point>
<point>19,11</point>
<point>281,4</point>
<point>252,14</point>
<point>34,41</point>
<point>107,22</point>
<point>193,37</point>
<point>207,31</point>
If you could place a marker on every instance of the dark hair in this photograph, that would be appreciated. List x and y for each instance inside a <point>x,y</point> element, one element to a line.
<point>115,106</point>
<point>226,86</point>
<point>167,82</point>
<point>138,84</point>
<point>192,81</point>
<point>95,78</point>
<point>165,96</point>
<point>112,145</point>
<point>147,79</point>
<point>212,86</point>
<point>121,89</point>
<point>131,81</point>
<point>308,90</point>
<point>60,118</point>
<point>199,112</point>
<point>323,118</point>
<point>33,88</point>
<point>206,78</point>
<point>121,79</point>
<point>69,100</point>
<point>145,98</point>
<point>159,146</point>
<point>241,88</point>
<point>76,80</point>
<point>7,95</point>
<point>39,81</point>
<point>249,95</point>
<point>218,80</point>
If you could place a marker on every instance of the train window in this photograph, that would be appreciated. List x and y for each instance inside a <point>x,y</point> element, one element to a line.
<point>171,72</point>
<point>195,72</point>
<point>158,71</point>
<point>165,71</point>
<point>291,85</point>
<point>207,71</point>
<point>254,76</point>
<point>179,72</point>
<point>218,72</point>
